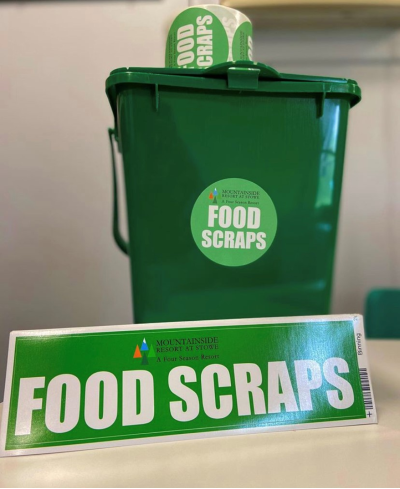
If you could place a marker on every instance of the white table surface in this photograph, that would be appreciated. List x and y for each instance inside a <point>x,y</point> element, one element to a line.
<point>356,456</point>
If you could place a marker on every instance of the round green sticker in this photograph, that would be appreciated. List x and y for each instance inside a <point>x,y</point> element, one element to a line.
<point>242,44</point>
<point>196,39</point>
<point>233,222</point>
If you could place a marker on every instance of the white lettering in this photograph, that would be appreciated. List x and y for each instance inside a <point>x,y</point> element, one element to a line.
<point>261,245</point>
<point>212,215</point>
<point>253,218</point>
<point>278,375</point>
<point>308,378</point>
<point>248,379</point>
<point>132,414</point>
<point>106,382</point>
<point>208,391</point>
<point>206,235</point>
<point>185,31</point>
<point>225,216</point>
<point>54,403</point>
<point>187,395</point>
<point>27,403</point>
<point>339,382</point>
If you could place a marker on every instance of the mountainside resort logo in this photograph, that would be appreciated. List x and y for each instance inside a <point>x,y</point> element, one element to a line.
<point>144,352</point>
<point>213,195</point>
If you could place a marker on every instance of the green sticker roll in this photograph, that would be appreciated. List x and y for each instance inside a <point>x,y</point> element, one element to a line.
<point>207,35</point>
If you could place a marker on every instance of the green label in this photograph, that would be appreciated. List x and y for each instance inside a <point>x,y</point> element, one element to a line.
<point>242,44</point>
<point>203,37</point>
<point>234,222</point>
<point>93,387</point>
<point>196,39</point>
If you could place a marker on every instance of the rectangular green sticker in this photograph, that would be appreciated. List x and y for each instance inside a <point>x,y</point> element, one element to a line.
<point>85,388</point>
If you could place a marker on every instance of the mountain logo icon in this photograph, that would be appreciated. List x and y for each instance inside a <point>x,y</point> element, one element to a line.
<point>144,352</point>
<point>213,196</point>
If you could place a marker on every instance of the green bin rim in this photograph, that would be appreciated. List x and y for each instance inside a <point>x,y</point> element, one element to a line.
<point>256,77</point>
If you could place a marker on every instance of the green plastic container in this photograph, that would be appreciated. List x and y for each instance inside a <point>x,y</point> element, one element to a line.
<point>382,314</point>
<point>184,134</point>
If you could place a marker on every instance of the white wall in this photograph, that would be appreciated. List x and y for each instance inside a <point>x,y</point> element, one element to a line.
<point>58,263</point>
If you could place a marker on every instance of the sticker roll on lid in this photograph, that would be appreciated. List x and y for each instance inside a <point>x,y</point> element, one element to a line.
<point>206,35</point>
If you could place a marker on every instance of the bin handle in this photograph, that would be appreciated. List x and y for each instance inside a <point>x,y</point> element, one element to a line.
<point>121,243</point>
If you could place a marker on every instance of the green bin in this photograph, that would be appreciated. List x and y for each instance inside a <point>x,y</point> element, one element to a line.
<point>233,179</point>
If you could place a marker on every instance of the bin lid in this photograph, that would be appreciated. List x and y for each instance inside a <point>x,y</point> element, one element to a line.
<point>236,75</point>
